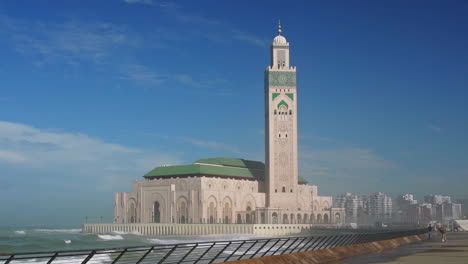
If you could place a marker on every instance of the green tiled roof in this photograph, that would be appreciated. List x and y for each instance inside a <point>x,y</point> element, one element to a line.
<point>216,166</point>
<point>227,167</point>
<point>242,163</point>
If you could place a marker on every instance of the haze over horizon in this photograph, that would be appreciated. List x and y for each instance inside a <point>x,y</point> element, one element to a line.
<point>94,94</point>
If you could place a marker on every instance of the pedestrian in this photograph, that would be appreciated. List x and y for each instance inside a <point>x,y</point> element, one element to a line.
<point>442,231</point>
<point>429,231</point>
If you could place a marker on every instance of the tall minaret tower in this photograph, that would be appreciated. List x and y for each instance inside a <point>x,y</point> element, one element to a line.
<point>281,127</point>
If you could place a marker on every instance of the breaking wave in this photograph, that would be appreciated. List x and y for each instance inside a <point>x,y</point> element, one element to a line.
<point>76,230</point>
<point>110,237</point>
<point>20,232</point>
<point>126,233</point>
<point>67,241</point>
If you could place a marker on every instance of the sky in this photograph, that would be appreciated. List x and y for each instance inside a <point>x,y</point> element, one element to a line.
<point>94,94</point>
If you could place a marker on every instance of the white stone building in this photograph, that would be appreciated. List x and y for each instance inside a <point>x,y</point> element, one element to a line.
<point>353,205</point>
<point>380,206</point>
<point>225,190</point>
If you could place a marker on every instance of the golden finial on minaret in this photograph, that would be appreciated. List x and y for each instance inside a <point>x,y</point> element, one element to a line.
<point>279,27</point>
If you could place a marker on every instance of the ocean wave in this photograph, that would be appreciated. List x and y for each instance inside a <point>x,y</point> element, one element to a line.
<point>20,232</point>
<point>110,237</point>
<point>76,230</point>
<point>67,241</point>
<point>96,259</point>
<point>126,233</point>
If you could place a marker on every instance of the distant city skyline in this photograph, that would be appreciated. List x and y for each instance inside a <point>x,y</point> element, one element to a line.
<point>94,94</point>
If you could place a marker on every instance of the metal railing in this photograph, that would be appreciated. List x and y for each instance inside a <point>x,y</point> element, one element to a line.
<point>203,252</point>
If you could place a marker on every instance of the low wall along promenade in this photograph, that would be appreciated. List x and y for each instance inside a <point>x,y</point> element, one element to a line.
<point>198,229</point>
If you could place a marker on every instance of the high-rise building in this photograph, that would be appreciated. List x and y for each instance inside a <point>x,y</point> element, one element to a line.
<point>380,206</point>
<point>353,204</point>
<point>437,199</point>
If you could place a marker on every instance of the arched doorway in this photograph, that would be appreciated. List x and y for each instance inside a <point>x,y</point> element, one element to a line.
<point>262,218</point>
<point>212,213</point>
<point>182,211</point>
<point>274,218</point>
<point>227,213</point>
<point>157,212</point>
<point>337,218</point>
<point>285,219</point>
<point>247,215</point>
<point>239,219</point>
<point>132,213</point>
<point>325,218</point>
<point>319,219</point>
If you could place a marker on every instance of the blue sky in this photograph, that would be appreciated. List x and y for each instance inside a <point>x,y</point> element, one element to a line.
<point>93,94</point>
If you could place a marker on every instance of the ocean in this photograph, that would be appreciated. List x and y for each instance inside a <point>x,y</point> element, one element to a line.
<point>31,239</point>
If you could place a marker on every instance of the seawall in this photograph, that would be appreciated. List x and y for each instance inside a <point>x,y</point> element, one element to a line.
<point>332,254</point>
<point>198,229</point>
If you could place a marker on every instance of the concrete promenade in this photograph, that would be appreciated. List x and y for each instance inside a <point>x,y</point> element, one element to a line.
<point>455,251</point>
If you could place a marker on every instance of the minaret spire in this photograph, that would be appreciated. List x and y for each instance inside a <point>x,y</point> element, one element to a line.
<point>279,27</point>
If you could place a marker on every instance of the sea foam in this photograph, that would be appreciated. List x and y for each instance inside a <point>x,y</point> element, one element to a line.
<point>20,232</point>
<point>126,233</point>
<point>110,237</point>
<point>76,230</point>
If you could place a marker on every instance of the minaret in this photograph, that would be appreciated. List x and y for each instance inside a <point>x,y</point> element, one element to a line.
<point>281,127</point>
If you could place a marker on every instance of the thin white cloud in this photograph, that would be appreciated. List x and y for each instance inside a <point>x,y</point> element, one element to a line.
<point>435,128</point>
<point>144,2</point>
<point>74,153</point>
<point>11,157</point>
<point>347,162</point>
<point>147,76</point>
<point>200,143</point>
<point>72,41</point>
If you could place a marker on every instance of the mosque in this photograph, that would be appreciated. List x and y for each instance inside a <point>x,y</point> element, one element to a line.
<point>238,191</point>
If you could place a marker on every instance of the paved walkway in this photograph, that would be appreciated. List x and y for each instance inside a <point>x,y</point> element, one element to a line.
<point>455,251</point>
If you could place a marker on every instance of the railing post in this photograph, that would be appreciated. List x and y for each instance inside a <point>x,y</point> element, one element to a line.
<point>247,251</point>
<point>119,256</point>
<point>219,253</point>
<point>279,247</point>
<point>264,253</point>
<point>52,258</point>
<point>144,255</point>
<point>9,259</point>
<point>289,246</point>
<point>319,242</point>
<point>204,253</point>
<point>88,257</point>
<point>188,253</point>
<point>163,258</point>
<point>260,248</point>
<point>305,244</point>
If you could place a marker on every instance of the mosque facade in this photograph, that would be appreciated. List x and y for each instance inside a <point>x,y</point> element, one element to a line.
<point>238,191</point>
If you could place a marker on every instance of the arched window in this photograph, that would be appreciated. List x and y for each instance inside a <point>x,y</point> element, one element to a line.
<point>239,219</point>
<point>290,112</point>
<point>283,189</point>
<point>285,219</point>
<point>274,218</point>
<point>274,112</point>
<point>156,213</point>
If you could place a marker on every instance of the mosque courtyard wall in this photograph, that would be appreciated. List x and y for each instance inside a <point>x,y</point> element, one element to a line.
<point>199,229</point>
